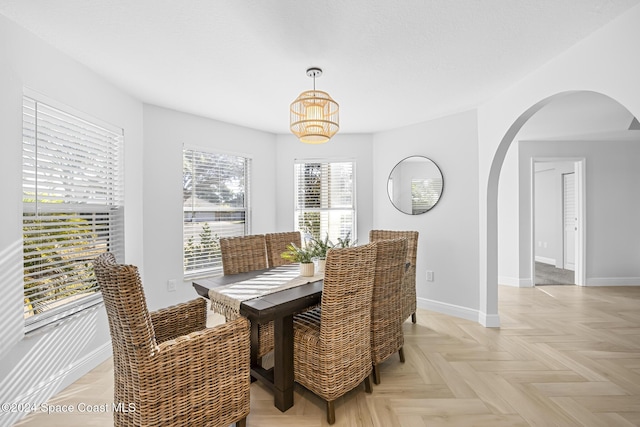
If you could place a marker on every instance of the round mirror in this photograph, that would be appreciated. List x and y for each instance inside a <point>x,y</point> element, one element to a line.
<point>415,185</point>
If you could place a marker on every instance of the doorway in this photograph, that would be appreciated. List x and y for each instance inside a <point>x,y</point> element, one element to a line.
<point>557,212</point>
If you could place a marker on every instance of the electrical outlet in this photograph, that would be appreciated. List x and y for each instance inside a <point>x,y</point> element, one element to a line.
<point>429,276</point>
<point>171,285</point>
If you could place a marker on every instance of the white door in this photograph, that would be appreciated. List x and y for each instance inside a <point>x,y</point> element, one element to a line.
<point>569,220</point>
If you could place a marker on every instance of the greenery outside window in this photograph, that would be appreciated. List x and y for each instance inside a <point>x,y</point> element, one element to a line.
<point>215,204</point>
<point>325,199</point>
<point>72,208</point>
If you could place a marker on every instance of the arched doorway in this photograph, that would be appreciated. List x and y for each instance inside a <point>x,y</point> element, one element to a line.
<point>533,114</point>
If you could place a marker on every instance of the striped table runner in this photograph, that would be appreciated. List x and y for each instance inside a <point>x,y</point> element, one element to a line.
<point>226,299</point>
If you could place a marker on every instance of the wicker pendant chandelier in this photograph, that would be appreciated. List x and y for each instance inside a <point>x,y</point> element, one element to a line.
<point>314,114</point>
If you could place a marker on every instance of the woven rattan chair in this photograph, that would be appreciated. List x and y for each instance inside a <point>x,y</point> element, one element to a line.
<point>243,253</point>
<point>167,365</point>
<point>409,280</point>
<point>332,343</point>
<point>386,321</point>
<point>277,244</point>
<point>240,255</point>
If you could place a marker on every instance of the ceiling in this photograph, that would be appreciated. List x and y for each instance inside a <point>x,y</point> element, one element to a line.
<point>388,63</point>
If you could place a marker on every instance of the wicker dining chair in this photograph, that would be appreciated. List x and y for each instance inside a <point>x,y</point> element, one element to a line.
<point>168,367</point>
<point>240,255</point>
<point>277,244</point>
<point>243,253</point>
<point>409,281</point>
<point>332,343</point>
<point>386,321</point>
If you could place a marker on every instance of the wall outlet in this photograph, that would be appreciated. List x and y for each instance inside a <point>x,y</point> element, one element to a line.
<point>171,285</point>
<point>429,276</point>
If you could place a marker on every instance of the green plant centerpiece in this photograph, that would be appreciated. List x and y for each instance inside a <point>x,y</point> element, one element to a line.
<point>302,255</point>
<point>319,248</point>
<point>346,242</point>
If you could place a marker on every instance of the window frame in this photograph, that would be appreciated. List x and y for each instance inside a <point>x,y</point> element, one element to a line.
<point>354,196</point>
<point>104,200</point>
<point>246,209</point>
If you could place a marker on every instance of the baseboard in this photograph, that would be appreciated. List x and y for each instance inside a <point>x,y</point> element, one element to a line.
<point>515,282</point>
<point>489,320</point>
<point>448,309</point>
<point>613,281</point>
<point>545,260</point>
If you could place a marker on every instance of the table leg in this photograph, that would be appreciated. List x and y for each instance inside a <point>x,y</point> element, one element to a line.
<point>283,362</point>
<point>255,344</point>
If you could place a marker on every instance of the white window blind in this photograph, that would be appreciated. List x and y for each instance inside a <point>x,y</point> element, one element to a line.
<point>215,204</point>
<point>425,193</point>
<point>72,209</point>
<point>325,199</point>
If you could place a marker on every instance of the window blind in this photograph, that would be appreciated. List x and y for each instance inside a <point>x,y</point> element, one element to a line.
<point>325,199</point>
<point>425,193</point>
<point>215,204</point>
<point>72,208</point>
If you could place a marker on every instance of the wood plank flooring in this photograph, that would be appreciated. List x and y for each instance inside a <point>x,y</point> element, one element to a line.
<point>564,356</point>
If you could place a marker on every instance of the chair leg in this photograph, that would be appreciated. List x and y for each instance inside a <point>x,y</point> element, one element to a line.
<point>331,412</point>
<point>367,384</point>
<point>401,354</point>
<point>241,423</point>
<point>376,374</point>
<point>413,317</point>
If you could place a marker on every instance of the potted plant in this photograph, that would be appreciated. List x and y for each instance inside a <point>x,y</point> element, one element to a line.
<point>346,242</point>
<point>319,249</point>
<point>302,255</point>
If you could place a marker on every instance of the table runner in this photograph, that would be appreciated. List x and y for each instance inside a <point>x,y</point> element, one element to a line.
<point>226,299</point>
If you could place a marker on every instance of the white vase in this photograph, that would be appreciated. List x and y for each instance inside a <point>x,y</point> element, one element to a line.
<point>320,265</point>
<point>306,269</point>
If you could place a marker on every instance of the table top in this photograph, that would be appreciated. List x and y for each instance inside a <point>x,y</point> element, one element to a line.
<point>268,307</point>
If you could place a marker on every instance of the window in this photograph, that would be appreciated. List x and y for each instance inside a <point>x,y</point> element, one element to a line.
<point>72,208</point>
<point>215,204</point>
<point>325,199</point>
<point>425,193</point>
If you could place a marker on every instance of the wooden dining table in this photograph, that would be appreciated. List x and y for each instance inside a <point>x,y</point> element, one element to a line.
<point>279,307</point>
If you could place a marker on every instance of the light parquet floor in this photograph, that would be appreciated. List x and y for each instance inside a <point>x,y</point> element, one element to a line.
<point>564,356</point>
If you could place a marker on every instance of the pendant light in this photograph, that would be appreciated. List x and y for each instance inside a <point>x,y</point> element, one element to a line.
<point>314,114</point>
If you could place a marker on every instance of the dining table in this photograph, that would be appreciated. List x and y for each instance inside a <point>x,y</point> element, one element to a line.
<point>273,294</point>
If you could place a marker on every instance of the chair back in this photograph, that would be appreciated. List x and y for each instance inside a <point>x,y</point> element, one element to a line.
<point>386,311</point>
<point>409,279</point>
<point>345,319</point>
<point>244,253</point>
<point>412,241</point>
<point>277,244</point>
<point>132,334</point>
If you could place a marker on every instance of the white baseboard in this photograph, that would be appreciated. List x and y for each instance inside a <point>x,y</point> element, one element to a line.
<point>613,281</point>
<point>448,309</point>
<point>546,260</point>
<point>489,320</point>
<point>515,282</point>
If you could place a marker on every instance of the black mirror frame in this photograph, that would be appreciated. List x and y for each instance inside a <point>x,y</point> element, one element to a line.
<point>441,189</point>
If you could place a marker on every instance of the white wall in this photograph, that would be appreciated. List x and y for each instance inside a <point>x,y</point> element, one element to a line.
<point>547,212</point>
<point>448,240</point>
<point>36,366</point>
<point>357,147</point>
<point>509,220</point>
<point>599,63</point>
<point>165,132</point>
